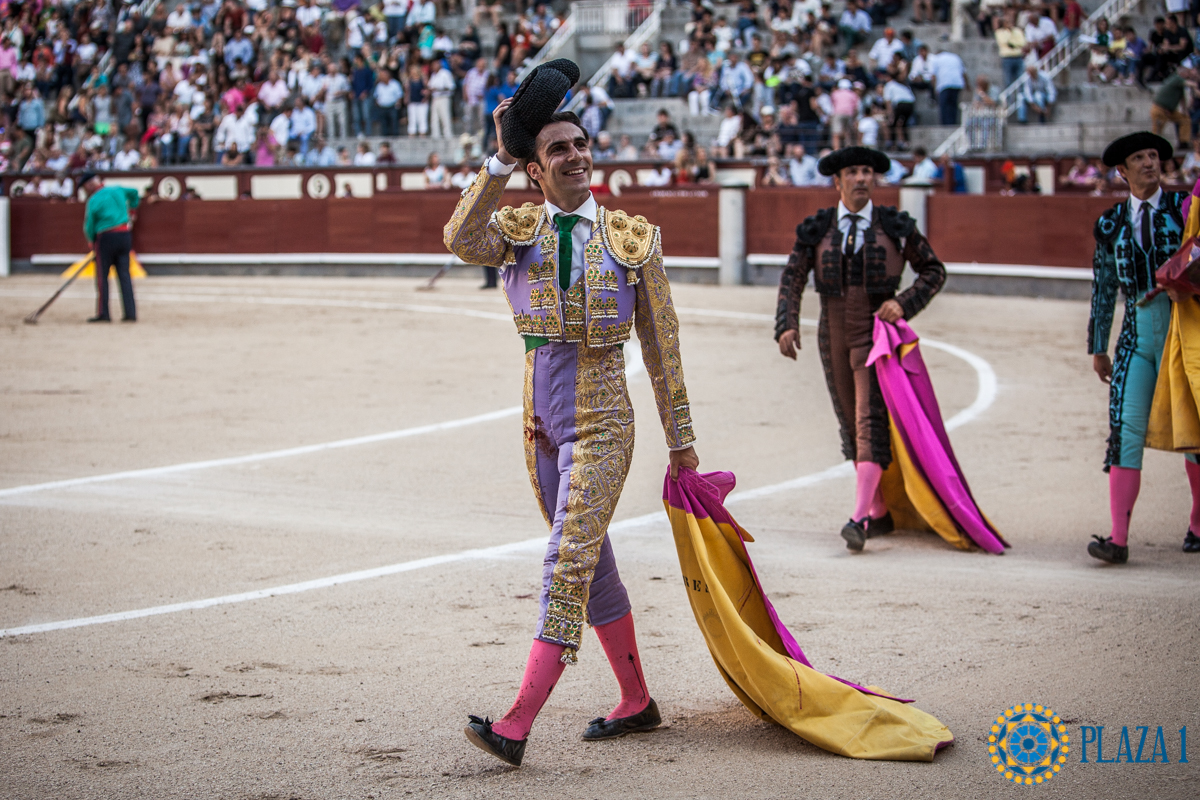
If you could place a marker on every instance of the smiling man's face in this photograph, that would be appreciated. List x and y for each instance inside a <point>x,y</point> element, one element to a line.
<point>562,164</point>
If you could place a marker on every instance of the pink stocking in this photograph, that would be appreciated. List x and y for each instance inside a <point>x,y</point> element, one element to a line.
<point>869,474</point>
<point>542,672</point>
<point>620,645</point>
<point>1193,473</point>
<point>1123,487</point>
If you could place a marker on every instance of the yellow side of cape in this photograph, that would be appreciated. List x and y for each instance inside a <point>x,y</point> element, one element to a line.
<point>750,656</point>
<point>1174,423</point>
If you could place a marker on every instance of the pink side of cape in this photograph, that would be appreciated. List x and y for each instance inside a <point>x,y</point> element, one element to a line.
<point>908,393</point>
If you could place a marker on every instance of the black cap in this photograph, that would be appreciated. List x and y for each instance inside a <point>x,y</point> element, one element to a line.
<point>85,177</point>
<point>535,101</point>
<point>838,160</point>
<point>1116,153</point>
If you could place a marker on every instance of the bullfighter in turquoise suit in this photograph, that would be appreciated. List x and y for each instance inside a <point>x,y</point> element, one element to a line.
<point>1133,239</point>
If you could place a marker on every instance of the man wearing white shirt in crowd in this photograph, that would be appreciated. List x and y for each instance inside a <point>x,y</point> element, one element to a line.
<point>281,126</point>
<point>900,102</point>
<point>737,79</point>
<point>1041,32</point>
<point>337,95</point>
<point>920,72</point>
<point>855,24</point>
<point>225,140</point>
<point>949,78</point>
<point>320,154</point>
<point>925,169</point>
<point>184,92</point>
<point>304,124</point>
<point>802,167</point>
<point>621,82</point>
<point>394,11</point>
<point>443,44</point>
<point>312,87</point>
<point>388,92</point>
<point>127,158</point>
<point>441,87</point>
<point>884,50</point>
<point>180,19</point>
<point>308,14</point>
<point>422,13</point>
<point>474,87</point>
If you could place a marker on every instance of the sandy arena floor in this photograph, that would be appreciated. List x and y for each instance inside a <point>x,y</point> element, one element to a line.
<point>360,689</point>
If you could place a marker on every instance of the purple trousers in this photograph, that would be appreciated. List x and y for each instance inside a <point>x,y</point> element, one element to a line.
<point>578,444</point>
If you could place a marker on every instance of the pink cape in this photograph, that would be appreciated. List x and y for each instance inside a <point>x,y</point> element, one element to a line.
<point>915,414</point>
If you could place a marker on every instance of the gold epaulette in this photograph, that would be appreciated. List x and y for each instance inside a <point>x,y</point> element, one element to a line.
<point>519,226</point>
<point>630,240</point>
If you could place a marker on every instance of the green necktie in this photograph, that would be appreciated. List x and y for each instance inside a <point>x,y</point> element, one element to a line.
<point>566,224</point>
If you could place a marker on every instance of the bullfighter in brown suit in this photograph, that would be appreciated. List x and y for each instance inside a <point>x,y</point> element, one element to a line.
<point>856,253</point>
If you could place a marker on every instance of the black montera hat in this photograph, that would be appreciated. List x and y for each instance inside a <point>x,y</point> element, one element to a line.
<point>535,101</point>
<point>1116,153</point>
<point>838,160</point>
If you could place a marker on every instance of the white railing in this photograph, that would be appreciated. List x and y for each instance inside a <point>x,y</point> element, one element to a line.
<point>647,31</point>
<point>588,16</point>
<point>550,51</point>
<point>605,16</point>
<point>1054,62</point>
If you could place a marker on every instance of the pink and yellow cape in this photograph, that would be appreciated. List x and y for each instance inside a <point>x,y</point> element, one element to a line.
<point>759,658</point>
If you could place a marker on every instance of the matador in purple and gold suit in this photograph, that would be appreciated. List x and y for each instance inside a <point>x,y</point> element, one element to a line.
<point>578,420</point>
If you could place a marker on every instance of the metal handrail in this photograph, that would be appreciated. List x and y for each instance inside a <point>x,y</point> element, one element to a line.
<point>650,27</point>
<point>551,48</point>
<point>1054,62</point>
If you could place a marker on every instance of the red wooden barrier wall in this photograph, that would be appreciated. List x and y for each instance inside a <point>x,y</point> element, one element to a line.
<point>391,222</point>
<point>1053,231</point>
<point>989,229</point>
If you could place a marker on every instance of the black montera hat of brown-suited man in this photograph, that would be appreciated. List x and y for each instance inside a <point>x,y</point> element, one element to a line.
<point>838,160</point>
<point>535,101</point>
<point>1121,149</point>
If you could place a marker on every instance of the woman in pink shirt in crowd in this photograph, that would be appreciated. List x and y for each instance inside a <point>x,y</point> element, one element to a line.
<point>845,110</point>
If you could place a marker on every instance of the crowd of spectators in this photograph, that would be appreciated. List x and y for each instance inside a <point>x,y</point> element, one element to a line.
<point>783,74</point>
<point>95,84</point>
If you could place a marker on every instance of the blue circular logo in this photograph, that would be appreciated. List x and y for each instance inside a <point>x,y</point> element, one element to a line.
<point>1028,744</point>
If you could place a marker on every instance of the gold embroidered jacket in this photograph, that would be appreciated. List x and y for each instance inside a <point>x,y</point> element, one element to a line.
<point>623,285</point>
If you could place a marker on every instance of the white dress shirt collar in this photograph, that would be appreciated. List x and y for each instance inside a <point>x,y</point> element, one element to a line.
<point>589,210</point>
<point>1154,201</point>
<point>865,212</point>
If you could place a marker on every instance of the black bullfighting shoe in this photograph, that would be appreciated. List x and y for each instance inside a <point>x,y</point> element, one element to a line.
<point>878,526</point>
<point>645,720</point>
<point>1191,543</point>
<point>1105,549</point>
<point>479,733</point>
<point>855,533</point>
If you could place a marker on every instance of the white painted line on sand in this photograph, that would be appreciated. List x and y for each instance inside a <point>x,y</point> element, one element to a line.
<point>985,397</point>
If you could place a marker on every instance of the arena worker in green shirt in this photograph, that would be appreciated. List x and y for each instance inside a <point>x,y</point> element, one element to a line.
<point>107,224</point>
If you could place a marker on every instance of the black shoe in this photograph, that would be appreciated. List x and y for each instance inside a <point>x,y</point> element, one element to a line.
<point>878,526</point>
<point>1105,550</point>
<point>479,733</point>
<point>855,533</point>
<point>99,319</point>
<point>645,720</point>
<point>128,319</point>
<point>1191,543</point>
